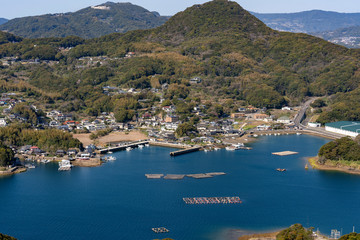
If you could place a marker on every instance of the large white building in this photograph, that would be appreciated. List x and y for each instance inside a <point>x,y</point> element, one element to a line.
<point>348,128</point>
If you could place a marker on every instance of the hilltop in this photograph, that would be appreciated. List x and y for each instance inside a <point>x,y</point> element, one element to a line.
<point>89,22</point>
<point>239,59</point>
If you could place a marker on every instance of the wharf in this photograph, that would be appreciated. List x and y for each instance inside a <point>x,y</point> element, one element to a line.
<point>123,147</point>
<point>285,153</point>
<point>167,144</point>
<point>174,177</point>
<point>184,151</point>
<point>212,200</point>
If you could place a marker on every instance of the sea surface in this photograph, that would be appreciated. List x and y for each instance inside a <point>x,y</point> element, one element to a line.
<point>117,201</point>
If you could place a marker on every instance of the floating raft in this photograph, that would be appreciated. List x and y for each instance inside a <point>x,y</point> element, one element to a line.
<point>64,168</point>
<point>174,177</point>
<point>213,200</point>
<point>160,230</point>
<point>285,153</point>
<point>154,176</point>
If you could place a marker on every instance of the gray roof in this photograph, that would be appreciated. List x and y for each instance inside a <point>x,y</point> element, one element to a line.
<point>345,125</point>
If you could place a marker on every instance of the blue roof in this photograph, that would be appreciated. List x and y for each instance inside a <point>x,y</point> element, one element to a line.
<point>345,125</point>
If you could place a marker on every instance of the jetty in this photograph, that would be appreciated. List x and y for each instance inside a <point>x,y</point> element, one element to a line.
<point>212,200</point>
<point>285,153</point>
<point>123,147</point>
<point>184,151</point>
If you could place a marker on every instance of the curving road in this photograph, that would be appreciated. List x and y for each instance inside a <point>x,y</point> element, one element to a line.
<point>301,114</point>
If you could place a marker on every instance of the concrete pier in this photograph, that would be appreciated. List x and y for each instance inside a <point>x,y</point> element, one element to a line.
<point>123,147</point>
<point>183,151</point>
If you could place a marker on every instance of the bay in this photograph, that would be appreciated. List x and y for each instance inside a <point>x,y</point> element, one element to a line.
<point>117,201</point>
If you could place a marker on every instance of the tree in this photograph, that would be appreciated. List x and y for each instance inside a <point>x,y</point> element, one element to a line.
<point>185,129</point>
<point>295,232</point>
<point>351,236</point>
<point>6,156</point>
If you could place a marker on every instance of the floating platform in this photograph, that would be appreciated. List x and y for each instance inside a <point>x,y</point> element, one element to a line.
<point>64,168</point>
<point>285,153</point>
<point>160,230</point>
<point>182,176</point>
<point>212,200</point>
<point>174,177</point>
<point>154,176</point>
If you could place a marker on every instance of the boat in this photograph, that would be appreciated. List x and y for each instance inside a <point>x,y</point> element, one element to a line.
<point>129,149</point>
<point>64,165</point>
<point>110,152</point>
<point>235,147</point>
<point>298,133</point>
<point>216,148</point>
<point>306,166</point>
<point>147,145</point>
<point>30,166</point>
<point>141,146</point>
<point>281,169</point>
<point>111,158</point>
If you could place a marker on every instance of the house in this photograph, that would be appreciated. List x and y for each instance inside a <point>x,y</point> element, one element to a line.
<point>195,80</point>
<point>3,122</point>
<point>260,116</point>
<point>314,124</point>
<point>60,153</point>
<point>263,127</point>
<point>35,150</point>
<point>237,115</point>
<point>284,119</point>
<point>171,119</point>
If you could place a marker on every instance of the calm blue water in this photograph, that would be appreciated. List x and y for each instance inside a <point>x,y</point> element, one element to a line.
<point>116,201</point>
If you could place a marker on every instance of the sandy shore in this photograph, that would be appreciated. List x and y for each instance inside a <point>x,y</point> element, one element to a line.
<point>112,137</point>
<point>326,167</point>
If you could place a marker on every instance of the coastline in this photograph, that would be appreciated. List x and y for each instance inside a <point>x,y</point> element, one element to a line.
<point>331,167</point>
<point>10,172</point>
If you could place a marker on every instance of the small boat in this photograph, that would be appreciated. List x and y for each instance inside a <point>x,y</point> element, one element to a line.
<point>147,145</point>
<point>298,133</point>
<point>306,166</point>
<point>30,166</point>
<point>129,149</point>
<point>216,148</point>
<point>110,152</point>
<point>111,158</point>
<point>281,169</point>
<point>64,165</point>
<point>141,146</point>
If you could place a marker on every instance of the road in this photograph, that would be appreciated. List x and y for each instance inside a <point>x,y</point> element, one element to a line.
<point>300,116</point>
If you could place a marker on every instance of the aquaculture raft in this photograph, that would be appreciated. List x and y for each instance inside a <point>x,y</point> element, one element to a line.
<point>160,230</point>
<point>213,200</point>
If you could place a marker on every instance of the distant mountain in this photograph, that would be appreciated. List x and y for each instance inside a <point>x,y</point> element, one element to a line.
<point>348,37</point>
<point>3,20</point>
<point>89,22</point>
<point>309,21</point>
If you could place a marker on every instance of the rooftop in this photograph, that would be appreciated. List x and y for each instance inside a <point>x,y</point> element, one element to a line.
<point>345,125</point>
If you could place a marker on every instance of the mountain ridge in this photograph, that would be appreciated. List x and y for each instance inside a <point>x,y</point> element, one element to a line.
<point>88,22</point>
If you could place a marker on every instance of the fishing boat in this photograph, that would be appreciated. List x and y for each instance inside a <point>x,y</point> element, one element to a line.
<point>129,149</point>
<point>306,166</point>
<point>147,145</point>
<point>64,165</point>
<point>281,169</point>
<point>141,146</point>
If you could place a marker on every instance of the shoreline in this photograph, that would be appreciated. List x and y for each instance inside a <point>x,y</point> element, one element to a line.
<point>326,167</point>
<point>9,172</point>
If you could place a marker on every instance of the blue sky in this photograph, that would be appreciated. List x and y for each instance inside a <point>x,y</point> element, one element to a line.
<point>20,8</point>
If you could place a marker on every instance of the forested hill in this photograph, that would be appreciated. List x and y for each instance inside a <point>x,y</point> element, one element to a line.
<point>3,20</point>
<point>87,23</point>
<point>237,56</point>
<point>309,21</point>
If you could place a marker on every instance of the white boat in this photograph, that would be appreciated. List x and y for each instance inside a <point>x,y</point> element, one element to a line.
<point>129,149</point>
<point>235,147</point>
<point>147,145</point>
<point>298,133</point>
<point>255,135</point>
<point>216,149</point>
<point>141,146</point>
<point>110,152</point>
<point>64,165</point>
<point>111,158</point>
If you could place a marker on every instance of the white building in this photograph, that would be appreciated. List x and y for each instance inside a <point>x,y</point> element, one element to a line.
<point>314,124</point>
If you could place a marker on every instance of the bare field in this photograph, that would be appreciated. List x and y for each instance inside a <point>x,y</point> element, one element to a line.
<point>112,137</point>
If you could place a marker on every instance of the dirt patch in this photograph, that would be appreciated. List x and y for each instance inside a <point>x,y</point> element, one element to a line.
<point>112,137</point>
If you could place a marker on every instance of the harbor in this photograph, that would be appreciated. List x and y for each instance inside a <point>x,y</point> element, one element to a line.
<point>212,200</point>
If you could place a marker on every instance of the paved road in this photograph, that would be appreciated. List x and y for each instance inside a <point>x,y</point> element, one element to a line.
<point>300,116</point>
